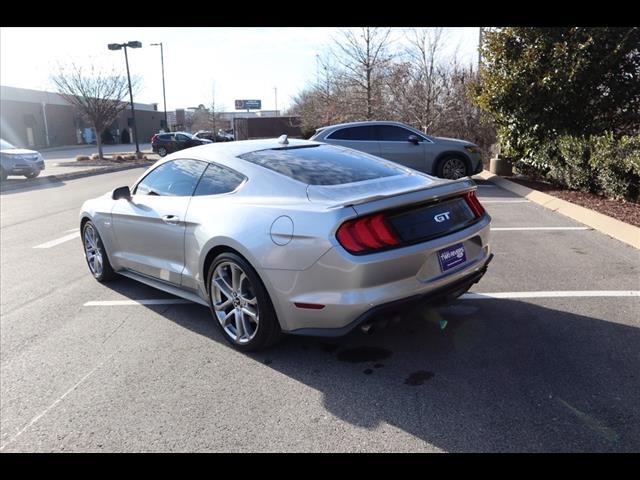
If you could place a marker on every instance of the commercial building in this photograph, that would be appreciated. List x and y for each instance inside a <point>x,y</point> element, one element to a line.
<point>39,119</point>
<point>194,119</point>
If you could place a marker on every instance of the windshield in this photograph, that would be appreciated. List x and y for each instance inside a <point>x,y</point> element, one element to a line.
<point>4,145</point>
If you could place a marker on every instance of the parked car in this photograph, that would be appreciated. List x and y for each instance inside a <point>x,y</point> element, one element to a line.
<point>19,161</point>
<point>210,136</point>
<point>442,157</point>
<point>165,143</point>
<point>291,236</point>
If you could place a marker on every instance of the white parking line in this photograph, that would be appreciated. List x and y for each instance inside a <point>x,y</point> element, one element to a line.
<point>505,229</point>
<point>58,241</point>
<point>466,296</point>
<point>552,294</point>
<point>123,303</point>
<point>73,230</point>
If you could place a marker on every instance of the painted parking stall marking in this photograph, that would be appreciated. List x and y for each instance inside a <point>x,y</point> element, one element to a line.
<point>513,229</point>
<point>59,241</point>
<point>466,296</point>
<point>551,294</point>
<point>125,303</point>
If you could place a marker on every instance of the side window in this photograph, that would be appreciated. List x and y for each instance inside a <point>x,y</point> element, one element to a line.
<point>181,138</point>
<point>174,178</point>
<point>218,179</point>
<point>390,133</point>
<point>364,133</point>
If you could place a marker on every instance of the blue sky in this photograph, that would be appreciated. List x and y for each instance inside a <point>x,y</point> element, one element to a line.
<point>238,62</point>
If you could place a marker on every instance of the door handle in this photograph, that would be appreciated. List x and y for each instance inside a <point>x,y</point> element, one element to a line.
<point>171,219</point>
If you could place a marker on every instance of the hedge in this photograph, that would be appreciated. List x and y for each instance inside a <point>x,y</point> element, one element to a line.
<point>600,164</point>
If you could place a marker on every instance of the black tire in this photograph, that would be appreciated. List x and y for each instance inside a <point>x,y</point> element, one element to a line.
<point>32,174</point>
<point>267,331</point>
<point>162,152</point>
<point>106,273</point>
<point>450,164</point>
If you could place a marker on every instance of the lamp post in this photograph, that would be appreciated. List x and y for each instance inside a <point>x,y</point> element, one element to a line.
<point>118,46</point>
<point>164,95</point>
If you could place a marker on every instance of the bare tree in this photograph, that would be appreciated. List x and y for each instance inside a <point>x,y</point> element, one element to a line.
<point>364,57</point>
<point>99,97</point>
<point>424,52</point>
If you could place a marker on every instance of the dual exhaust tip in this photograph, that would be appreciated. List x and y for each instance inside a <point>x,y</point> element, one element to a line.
<point>378,324</point>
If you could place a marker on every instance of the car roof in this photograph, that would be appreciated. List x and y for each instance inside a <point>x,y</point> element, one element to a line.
<point>365,123</point>
<point>227,153</point>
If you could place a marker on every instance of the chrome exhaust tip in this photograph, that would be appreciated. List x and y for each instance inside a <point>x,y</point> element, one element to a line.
<point>366,328</point>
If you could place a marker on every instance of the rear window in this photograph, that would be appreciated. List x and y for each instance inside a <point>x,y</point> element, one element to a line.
<point>323,164</point>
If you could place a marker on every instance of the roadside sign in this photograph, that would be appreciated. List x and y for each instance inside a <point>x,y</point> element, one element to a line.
<point>248,104</point>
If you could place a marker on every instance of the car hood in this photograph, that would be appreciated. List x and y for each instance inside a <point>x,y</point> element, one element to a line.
<point>18,151</point>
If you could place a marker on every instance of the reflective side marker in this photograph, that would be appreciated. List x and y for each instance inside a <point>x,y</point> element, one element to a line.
<point>310,306</point>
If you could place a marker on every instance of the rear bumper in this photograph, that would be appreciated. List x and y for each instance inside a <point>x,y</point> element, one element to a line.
<point>349,286</point>
<point>447,293</point>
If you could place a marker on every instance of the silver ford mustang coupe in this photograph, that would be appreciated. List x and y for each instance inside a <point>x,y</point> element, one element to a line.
<point>289,236</point>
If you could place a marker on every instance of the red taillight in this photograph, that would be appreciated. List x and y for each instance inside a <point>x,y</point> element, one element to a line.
<point>153,139</point>
<point>474,204</point>
<point>365,234</point>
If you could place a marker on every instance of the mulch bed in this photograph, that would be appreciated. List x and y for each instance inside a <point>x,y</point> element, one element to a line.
<point>628,212</point>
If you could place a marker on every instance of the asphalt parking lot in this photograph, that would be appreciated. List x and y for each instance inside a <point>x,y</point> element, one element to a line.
<point>552,364</point>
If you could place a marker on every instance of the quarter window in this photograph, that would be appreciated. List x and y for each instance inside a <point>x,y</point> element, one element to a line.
<point>217,179</point>
<point>174,178</point>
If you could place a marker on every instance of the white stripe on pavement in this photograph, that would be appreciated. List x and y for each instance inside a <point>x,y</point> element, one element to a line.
<point>552,294</point>
<point>58,241</point>
<point>466,296</point>
<point>122,303</point>
<point>504,229</point>
<point>73,230</point>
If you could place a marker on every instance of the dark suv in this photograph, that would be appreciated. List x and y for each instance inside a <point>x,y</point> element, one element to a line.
<point>165,143</point>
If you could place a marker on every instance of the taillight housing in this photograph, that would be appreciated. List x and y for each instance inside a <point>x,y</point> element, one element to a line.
<point>153,139</point>
<point>366,234</point>
<point>474,204</point>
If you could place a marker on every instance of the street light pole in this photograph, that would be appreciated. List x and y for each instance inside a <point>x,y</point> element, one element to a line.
<point>133,110</point>
<point>275,89</point>
<point>164,95</point>
<point>118,46</point>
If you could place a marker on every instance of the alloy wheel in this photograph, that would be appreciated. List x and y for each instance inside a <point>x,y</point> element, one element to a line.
<point>454,168</point>
<point>92,250</point>
<point>234,302</point>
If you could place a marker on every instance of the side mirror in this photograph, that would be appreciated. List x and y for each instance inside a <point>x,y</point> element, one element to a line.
<point>414,139</point>
<point>121,192</point>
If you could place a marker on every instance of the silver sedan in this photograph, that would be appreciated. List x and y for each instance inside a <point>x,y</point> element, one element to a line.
<point>289,236</point>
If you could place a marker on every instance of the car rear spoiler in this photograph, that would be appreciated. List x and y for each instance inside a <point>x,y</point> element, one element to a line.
<point>389,192</point>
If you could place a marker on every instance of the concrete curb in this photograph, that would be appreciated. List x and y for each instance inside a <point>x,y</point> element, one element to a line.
<point>74,175</point>
<point>622,231</point>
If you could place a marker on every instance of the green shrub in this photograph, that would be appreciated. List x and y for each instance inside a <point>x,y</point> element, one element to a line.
<point>599,164</point>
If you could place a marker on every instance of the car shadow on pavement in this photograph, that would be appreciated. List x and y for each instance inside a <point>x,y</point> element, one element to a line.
<point>476,376</point>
